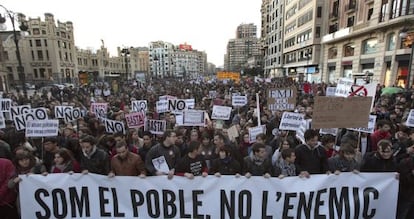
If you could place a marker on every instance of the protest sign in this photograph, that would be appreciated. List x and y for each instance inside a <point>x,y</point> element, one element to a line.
<point>340,112</point>
<point>329,131</point>
<point>281,98</point>
<point>177,105</point>
<point>156,127</point>
<point>139,105</point>
<point>162,106</point>
<point>347,195</point>
<point>19,110</point>
<point>2,121</point>
<point>305,125</point>
<point>221,112</point>
<point>42,128</point>
<point>370,127</point>
<point>193,118</point>
<point>291,121</point>
<point>330,91</point>
<point>135,120</point>
<point>60,111</point>
<point>344,86</point>
<point>114,126</point>
<point>410,119</point>
<point>5,105</point>
<point>238,100</point>
<point>99,109</point>
<point>30,114</point>
<point>255,131</point>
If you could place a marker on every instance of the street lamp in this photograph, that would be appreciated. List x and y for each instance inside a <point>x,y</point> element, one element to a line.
<point>408,37</point>
<point>126,52</point>
<point>23,27</point>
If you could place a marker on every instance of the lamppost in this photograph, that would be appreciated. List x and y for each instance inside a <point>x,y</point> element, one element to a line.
<point>23,27</point>
<point>408,37</point>
<point>126,52</point>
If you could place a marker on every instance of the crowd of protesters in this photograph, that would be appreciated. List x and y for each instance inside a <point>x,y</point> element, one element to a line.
<point>84,146</point>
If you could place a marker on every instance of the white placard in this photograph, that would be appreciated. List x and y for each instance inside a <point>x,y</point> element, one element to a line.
<point>160,164</point>
<point>329,131</point>
<point>193,118</point>
<point>410,119</point>
<point>255,131</point>
<point>330,91</point>
<point>238,100</point>
<point>5,105</point>
<point>114,126</point>
<point>291,121</point>
<point>162,106</point>
<point>370,127</point>
<point>221,112</point>
<point>139,105</point>
<point>42,128</point>
<point>343,89</point>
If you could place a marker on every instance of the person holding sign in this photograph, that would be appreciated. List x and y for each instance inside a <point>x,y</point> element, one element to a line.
<point>126,163</point>
<point>162,158</point>
<point>192,164</point>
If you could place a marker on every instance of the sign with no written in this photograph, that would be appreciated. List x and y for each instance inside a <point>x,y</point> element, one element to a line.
<point>340,112</point>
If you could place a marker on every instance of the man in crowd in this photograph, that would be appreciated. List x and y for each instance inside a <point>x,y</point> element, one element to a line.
<point>126,163</point>
<point>93,160</point>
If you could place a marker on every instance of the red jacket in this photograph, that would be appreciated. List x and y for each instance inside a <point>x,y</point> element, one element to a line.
<point>7,171</point>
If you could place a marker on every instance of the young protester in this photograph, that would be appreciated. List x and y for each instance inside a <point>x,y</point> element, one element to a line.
<point>64,162</point>
<point>126,163</point>
<point>192,164</point>
<point>225,164</point>
<point>257,163</point>
<point>286,165</point>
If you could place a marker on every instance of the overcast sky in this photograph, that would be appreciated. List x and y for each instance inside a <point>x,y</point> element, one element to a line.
<point>207,25</point>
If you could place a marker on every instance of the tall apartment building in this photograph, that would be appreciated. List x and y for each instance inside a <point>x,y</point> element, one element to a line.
<point>363,40</point>
<point>303,20</point>
<point>244,46</point>
<point>47,52</point>
<point>182,61</point>
<point>272,37</point>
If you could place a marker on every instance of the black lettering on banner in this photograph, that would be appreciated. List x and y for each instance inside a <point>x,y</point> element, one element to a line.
<point>115,204</point>
<point>103,201</point>
<point>180,104</point>
<point>59,197</point>
<point>305,205</point>
<point>68,115</point>
<point>355,191</point>
<point>197,203</point>
<point>368,194</point>
<point>76,113</point>
<point>168,199</point>
<point>136,202</point>
<point>175,104</point>
<point>318,203</point>
<point>44,193</point>
<point>264,206</point>
<point>287,205</point>
<point>339,205</point>
<point>244,194</point>
<point>153,203</point>
<point>40,114</point>
<point>19,122</point>
<point>143,106</point>
<point>225,206</point>
<point>79,202</point>
<point>182,204</point>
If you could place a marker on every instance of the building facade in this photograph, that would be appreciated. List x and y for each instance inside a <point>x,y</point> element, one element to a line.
<point>244,46</point>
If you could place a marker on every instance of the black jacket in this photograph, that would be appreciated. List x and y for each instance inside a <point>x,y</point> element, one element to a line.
<point>315,160</point>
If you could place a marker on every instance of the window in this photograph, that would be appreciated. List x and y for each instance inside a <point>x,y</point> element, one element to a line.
<point>36,31</point>
<point>44,32</point>
<point>349,49</point>
<point>30,42</point>
<point>47,54</point>
<point>317,32</point>
<point>319,12</point>
<point>332,53</point>
<point>39,54</point>
<point>35,73</point>
<point>370,12</point>
<point>350,21</point>
<point>38,43</point>
<point>369,46</point>
<point>391,41</point>
<point>45,42</point>
<point>42,72</point>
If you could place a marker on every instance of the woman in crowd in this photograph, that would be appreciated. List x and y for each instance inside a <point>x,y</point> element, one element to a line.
<point>64,162</point>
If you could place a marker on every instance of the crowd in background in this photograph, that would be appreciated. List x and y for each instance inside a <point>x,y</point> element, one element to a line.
<point>84,145</point>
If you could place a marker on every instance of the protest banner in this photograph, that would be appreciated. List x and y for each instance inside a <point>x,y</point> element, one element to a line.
<point>114,126</point>
<point>156,127</point>
<point>136,119</point>
<point>221,112</point>
<point>281,98</point>
<point>42,128</point>
<point>139,105</point>
<point>193,118</point>
<point>370,127</point>
<point>410,119</point>
<point>238,100</point>
<point>340,112</point>
<point>347,195</point>
<point>344,86</point>
<point>291,121</point>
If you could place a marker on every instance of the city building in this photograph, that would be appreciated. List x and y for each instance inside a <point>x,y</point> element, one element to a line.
<point>240,49</point>
<point>369,40</point>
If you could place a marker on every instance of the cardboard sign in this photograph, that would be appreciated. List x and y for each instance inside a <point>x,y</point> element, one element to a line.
<point>135,120</point>
<point>221,112</point>
<point>291,121</point>
<point>42,128</point>
<point>340,112</point>
<point>238,100</point>
<point>281,98</point>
